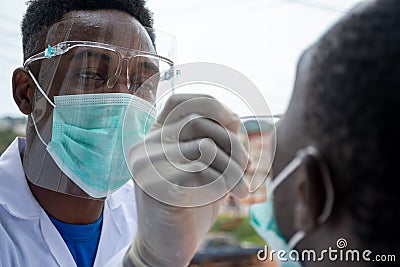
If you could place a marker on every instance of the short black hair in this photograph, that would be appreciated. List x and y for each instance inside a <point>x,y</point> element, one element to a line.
<point>41,14</point>
<point>353,114</point>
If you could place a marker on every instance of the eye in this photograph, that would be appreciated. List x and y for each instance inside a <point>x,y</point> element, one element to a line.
<point>91,75</point>
<point>141,86</point>
<point>144,90</point>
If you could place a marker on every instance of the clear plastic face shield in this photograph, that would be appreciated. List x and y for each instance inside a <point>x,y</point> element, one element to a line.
<point>88,77</point>
<point>256,133</point>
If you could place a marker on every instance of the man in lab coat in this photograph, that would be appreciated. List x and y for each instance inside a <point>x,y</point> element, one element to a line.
<point>66,194</point>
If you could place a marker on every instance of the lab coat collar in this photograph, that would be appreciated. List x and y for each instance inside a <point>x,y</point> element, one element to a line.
<point>15,194</point>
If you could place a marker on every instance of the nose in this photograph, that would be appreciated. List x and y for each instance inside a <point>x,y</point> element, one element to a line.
<point>122,83</point>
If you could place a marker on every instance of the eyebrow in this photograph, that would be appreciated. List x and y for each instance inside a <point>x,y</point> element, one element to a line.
<point>148,66</point>
<point>89,53</point>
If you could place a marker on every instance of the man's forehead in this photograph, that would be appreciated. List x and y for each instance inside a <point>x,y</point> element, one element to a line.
<point>104,26</point>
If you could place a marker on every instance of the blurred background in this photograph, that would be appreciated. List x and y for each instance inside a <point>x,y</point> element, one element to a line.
<point>262,39</point>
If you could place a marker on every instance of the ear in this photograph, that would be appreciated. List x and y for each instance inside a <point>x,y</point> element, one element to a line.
<point>23,90</point>
<point>310,195</point>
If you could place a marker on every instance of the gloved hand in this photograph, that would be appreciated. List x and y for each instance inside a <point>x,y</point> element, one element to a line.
<point>185,150</point>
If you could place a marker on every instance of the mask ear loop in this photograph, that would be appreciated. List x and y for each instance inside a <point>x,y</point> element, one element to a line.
<point>285,173</point>
<point>48,100</point>
<point>40,89</point>
<point>328,206</point>
<point>330,196</point>
<point>289,169</point>
<point>330,192</point>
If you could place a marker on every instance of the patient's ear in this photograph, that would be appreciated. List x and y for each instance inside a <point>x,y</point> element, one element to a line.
<point>23,90</point>
<point>310,195</point>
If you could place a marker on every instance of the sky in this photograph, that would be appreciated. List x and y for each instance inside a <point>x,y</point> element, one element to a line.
<point>262,39</point>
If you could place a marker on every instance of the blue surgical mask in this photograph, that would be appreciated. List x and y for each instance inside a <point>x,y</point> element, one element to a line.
<point>262,218</point>
<point>87,138</point>
<point>262,215</point>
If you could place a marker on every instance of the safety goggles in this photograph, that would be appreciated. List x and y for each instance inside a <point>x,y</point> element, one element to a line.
<point>102,58</point>
<point>92,67</point>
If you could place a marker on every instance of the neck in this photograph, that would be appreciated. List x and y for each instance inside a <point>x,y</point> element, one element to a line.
<point>326,237</point>
<point>68,208</point>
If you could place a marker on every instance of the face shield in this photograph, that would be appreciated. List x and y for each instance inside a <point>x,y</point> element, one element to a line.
<point>88,77</point>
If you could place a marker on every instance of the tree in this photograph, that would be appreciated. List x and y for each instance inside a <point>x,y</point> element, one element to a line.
<point>6,137</point>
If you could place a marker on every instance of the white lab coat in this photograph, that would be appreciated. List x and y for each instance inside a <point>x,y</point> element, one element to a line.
<point>28,237</point>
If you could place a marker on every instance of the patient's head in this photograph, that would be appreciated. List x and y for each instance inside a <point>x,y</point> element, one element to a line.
<point>346,103</point>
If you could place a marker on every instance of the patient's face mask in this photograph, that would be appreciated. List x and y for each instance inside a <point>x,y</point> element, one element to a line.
<point>263,219</point>
<point>85,92</point>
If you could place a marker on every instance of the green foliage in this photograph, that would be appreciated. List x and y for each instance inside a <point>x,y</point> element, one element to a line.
<point>238,226</point>
<point>6,137</point>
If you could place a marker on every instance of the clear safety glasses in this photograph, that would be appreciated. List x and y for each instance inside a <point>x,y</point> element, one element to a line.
<point>92,67</point>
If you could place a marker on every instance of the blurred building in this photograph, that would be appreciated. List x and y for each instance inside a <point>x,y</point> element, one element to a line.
<point>257,137</point>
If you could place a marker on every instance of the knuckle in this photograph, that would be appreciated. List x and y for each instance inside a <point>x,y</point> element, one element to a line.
<point>206,100</point>
<point>196,167</point>
<point>173,101</point>
<point>196,123</point>
<point>206,144</point>
<point>193,117</point>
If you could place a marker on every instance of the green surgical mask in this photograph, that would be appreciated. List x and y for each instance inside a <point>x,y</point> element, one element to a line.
<point>87,135</point>
<point>262,218</point>
<point>262,215</point>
